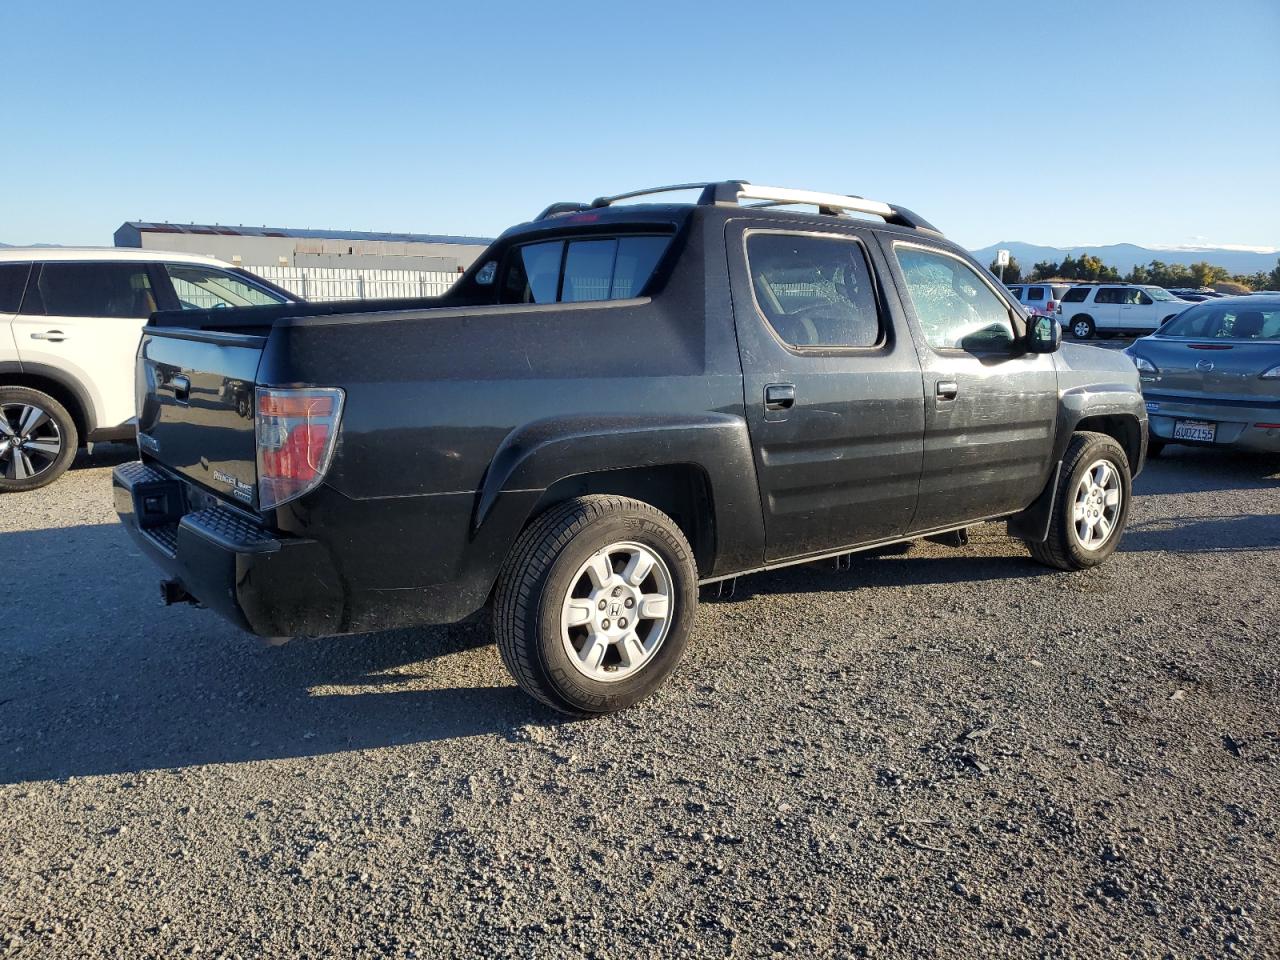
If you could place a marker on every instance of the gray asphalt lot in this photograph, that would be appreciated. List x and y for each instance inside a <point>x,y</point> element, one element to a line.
<point>942,751</point>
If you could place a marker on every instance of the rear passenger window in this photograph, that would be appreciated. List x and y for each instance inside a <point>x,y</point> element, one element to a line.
<point>13,280</point>
<point>92,290</point>
<point>576,271</point>
<point>1035,294</point>
<point>1109,295</point>
<point>814,291</point>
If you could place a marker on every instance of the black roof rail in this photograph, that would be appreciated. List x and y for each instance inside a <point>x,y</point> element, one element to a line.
<point>734,192</point>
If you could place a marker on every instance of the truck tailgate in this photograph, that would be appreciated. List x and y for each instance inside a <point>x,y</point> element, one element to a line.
<point>196,407</point>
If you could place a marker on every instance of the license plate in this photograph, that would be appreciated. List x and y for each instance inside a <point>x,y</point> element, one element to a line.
<point>1195,430</point>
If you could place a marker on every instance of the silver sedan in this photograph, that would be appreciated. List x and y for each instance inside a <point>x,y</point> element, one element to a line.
<point>1211,375</point>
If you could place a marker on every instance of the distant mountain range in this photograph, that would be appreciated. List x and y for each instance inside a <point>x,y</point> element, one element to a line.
<point>1124,256</point>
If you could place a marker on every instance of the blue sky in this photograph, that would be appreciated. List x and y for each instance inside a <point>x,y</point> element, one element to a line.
<point>1086,122</point>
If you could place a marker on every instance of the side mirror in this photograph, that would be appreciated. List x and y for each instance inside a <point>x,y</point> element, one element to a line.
<point>1044,335</point>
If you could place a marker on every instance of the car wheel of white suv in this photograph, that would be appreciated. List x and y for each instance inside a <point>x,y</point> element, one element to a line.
<point>1082,326</point>
<point>38,439</point>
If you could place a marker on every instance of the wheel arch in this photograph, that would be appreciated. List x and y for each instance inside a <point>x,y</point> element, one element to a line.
<point>697,470</point>
<point>65,389</point>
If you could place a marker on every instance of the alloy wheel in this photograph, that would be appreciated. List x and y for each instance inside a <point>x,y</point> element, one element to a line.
<point>1098,501</point>
<point>618,611</point>
<point>30,441</point>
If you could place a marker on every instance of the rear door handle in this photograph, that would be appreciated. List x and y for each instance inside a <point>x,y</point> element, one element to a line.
<point>948,389</point>
<point>57,336</point>
<point>780,396</point>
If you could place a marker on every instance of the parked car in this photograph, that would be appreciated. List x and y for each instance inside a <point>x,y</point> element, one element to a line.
<point>1192,296</point>
<point>1117,308</point>
<point>617,404</point>
<point>70,320</point>
<point>1211,376</point>
<point>1040,299</point>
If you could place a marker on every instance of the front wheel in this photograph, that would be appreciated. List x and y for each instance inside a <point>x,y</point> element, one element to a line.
<point>38,439</point>
<point>1090,506</point>
<point>595,604</point>
<point>1082,326</point>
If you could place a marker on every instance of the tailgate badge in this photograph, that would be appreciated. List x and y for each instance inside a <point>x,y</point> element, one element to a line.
<point>239,489</point>
<point>1204,366</point>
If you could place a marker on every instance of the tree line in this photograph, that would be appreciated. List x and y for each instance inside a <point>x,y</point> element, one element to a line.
<point>1157,273</point>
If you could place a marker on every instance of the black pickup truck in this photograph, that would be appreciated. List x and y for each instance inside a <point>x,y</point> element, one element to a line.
<point>618,404</point>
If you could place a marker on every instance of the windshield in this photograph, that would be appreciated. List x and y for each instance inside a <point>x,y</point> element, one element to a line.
<point>1227,321</point>
<point>1159,293</point>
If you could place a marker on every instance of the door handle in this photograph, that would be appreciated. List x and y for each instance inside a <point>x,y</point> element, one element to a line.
<point>181,387</point>
<point>948,389</point>
<point>780,396</point>
<point>57,336</point>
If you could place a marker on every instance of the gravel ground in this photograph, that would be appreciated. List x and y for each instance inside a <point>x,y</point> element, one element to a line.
<point>945,751</point>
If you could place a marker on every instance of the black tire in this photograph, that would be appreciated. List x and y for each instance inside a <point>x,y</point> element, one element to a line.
<point>26,467</point>
<point>539,574</point>
<point>1063,548</point>
<point>1154,448</point>
<point>1082,327</point>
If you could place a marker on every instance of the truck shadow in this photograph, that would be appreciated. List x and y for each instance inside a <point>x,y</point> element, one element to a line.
<point>107,681</point>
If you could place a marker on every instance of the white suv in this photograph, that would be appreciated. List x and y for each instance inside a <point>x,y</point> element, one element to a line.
<point>1040,299</point>
<point>1107,309</point>
<point>70,321</point>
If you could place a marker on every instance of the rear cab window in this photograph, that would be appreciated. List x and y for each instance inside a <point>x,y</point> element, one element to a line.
<point>580,269</point>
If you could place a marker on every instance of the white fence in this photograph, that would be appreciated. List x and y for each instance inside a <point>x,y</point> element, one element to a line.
<point>343,283</point>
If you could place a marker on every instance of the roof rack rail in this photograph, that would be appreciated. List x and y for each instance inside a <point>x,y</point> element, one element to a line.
<point>734,192</point>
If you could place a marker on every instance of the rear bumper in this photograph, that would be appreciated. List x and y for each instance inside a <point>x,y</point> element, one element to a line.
<point>270,585</point>
<point>1237,422</point>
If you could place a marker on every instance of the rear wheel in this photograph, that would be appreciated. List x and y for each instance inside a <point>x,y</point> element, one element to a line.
<point>1082,326</point>
<point>38,439</point>
<point>595,604</point>
<point>1090,507</point>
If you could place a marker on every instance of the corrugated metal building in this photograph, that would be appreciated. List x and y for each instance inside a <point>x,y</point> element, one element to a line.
<point>283,246</point>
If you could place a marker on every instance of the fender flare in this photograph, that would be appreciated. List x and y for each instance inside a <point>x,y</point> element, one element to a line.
<point>540,453</point>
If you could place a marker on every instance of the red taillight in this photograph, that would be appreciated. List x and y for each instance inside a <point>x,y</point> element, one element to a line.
<point>297,430</point>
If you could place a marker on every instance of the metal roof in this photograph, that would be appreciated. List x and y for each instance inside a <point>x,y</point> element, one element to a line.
<point>222,230</point>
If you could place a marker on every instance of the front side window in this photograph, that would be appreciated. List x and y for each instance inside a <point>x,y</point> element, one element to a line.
<point>956,310</point>
<point>1109,295</point>
<point>203,288</point>
<point>120,290</point>
<point>814,291</point>
<point>1017,292</point>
